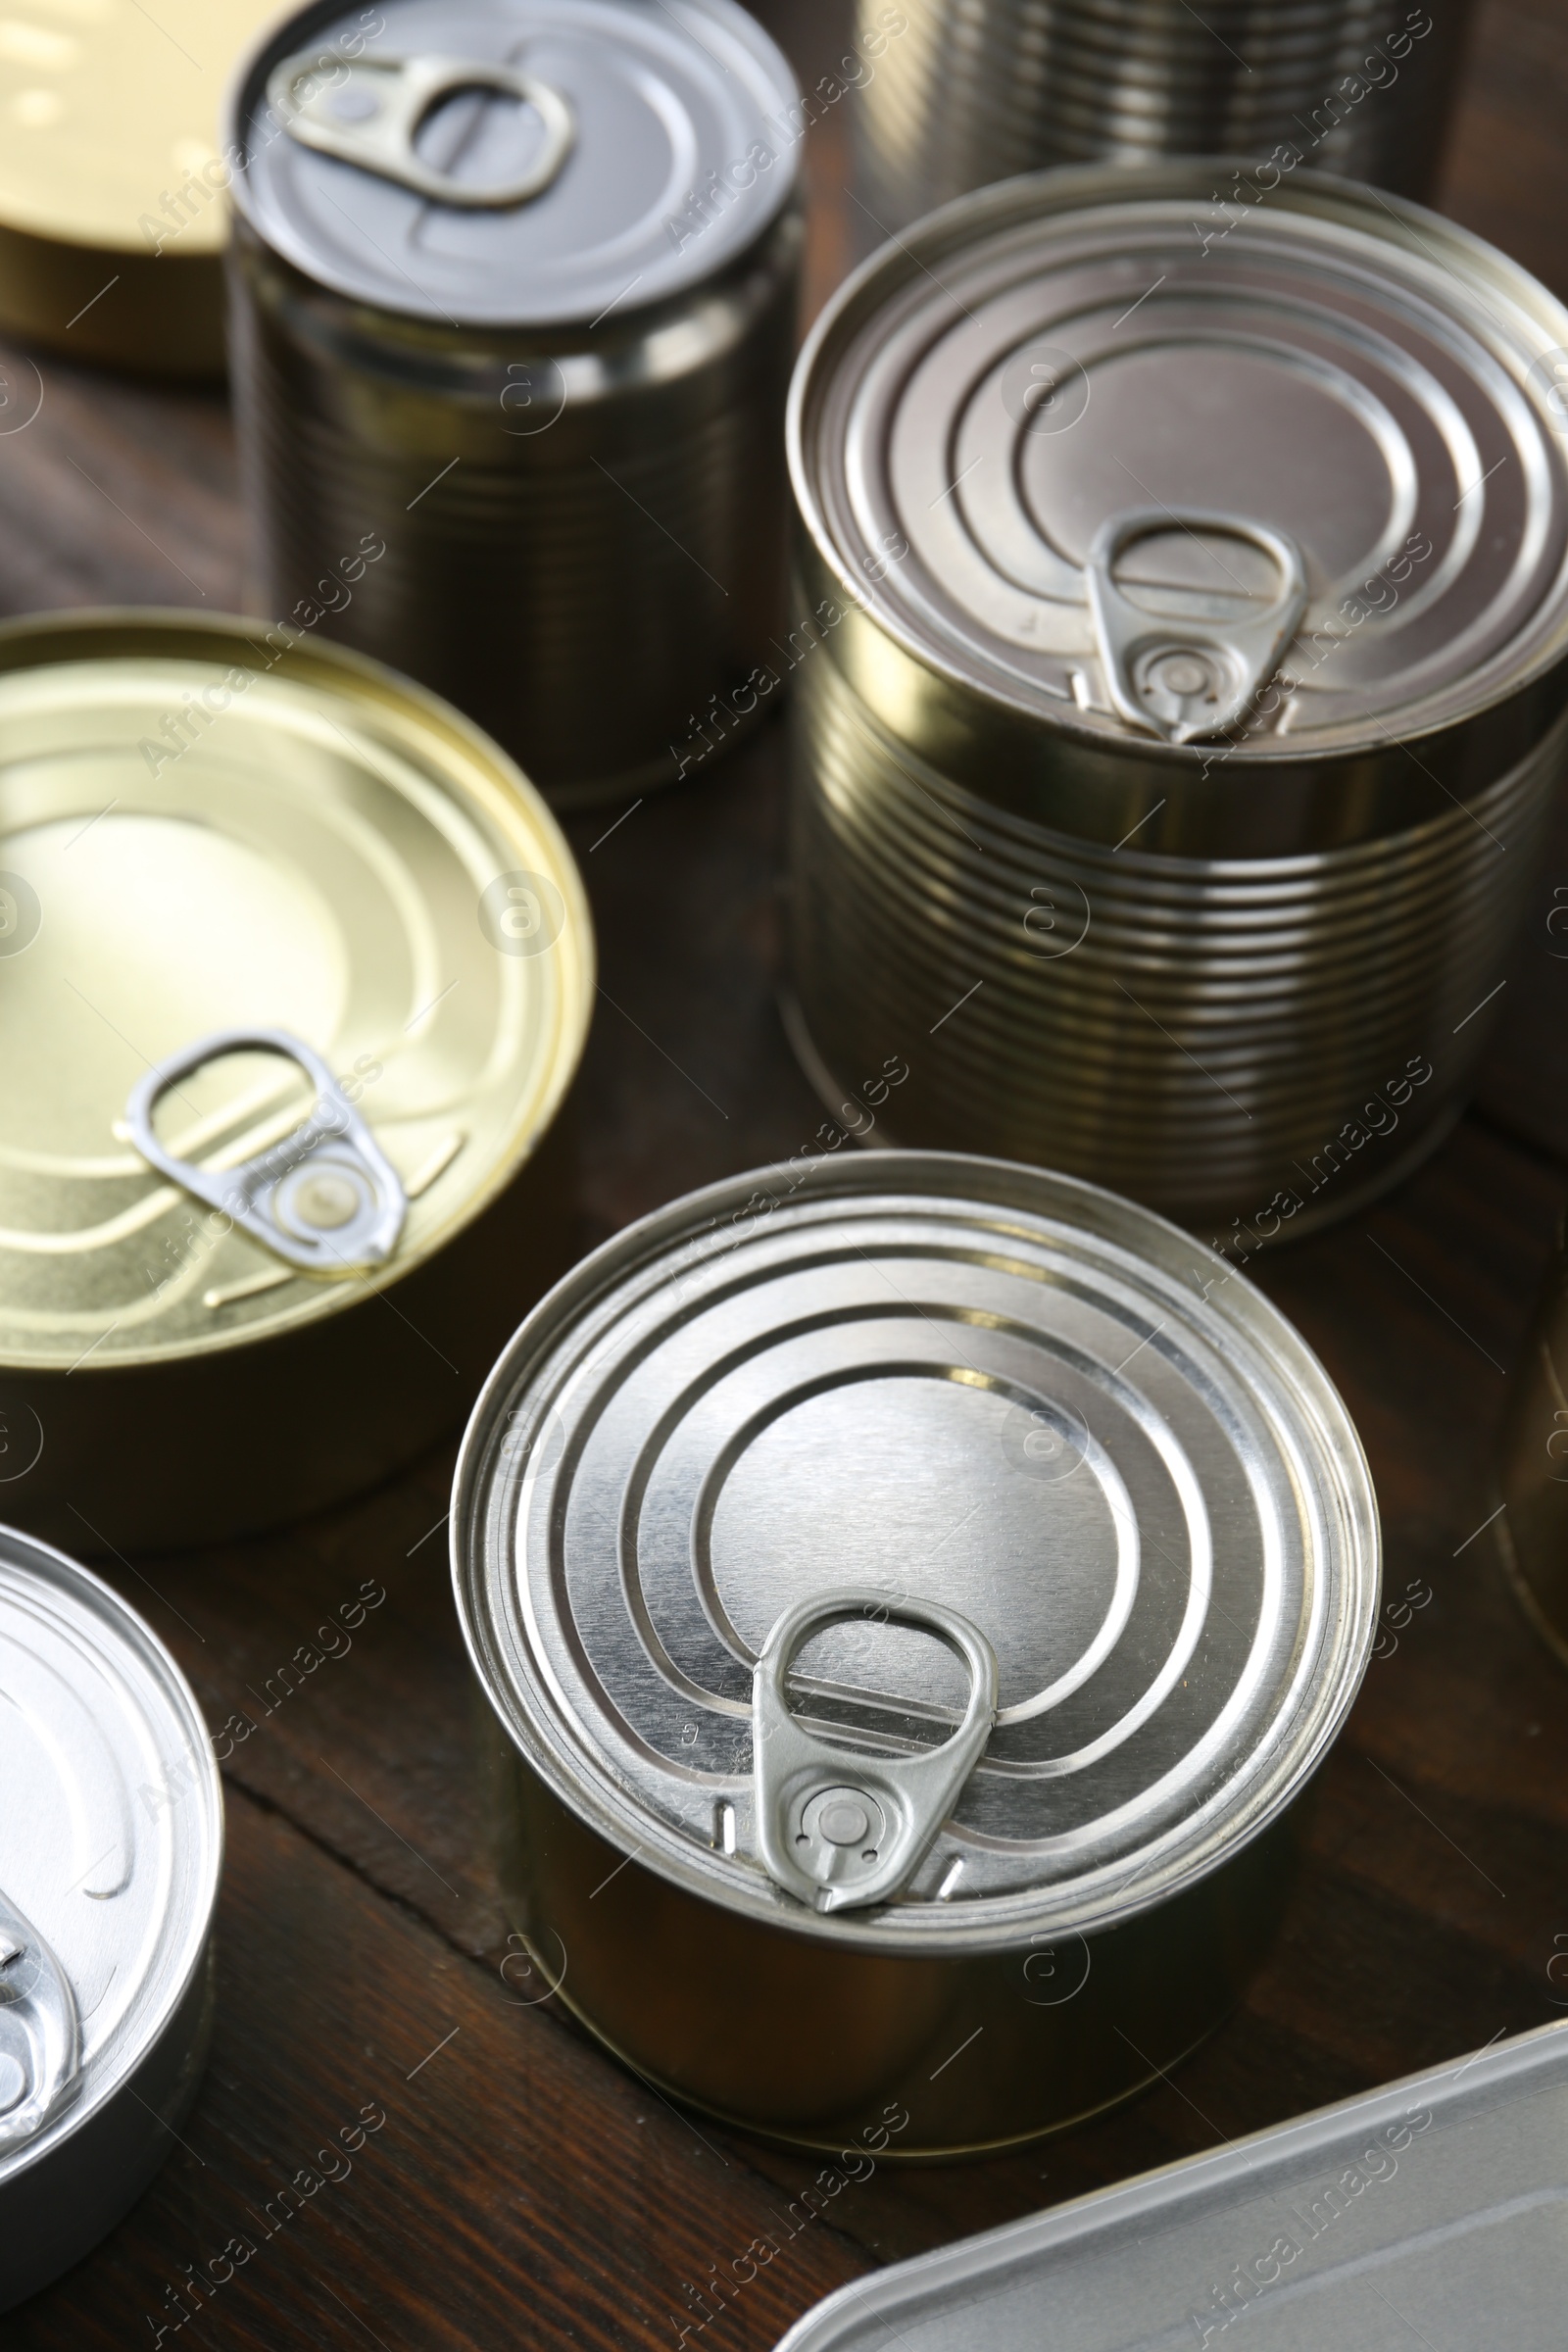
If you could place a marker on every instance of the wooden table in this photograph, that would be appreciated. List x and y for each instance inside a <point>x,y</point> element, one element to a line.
<point>523,2188</point>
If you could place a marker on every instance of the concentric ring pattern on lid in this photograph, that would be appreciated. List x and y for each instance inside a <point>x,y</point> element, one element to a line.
<point>1335,365</point>
<point>662,96</point>
<point>976,1383</point>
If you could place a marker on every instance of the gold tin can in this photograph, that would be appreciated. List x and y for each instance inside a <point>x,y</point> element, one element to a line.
<point>232,862</point>
<point>1531,1523</point>
<point>112,217</point>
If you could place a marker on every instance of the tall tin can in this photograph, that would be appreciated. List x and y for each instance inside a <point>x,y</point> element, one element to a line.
<point>1188,648</point>
<point>295,973</point>
<point>913,1593</point>
<point>514,287</point>
<point>110,1852</point>
<point>958,93</point>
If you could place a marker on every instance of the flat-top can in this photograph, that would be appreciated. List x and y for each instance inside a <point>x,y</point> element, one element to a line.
<point>295,972</point>
<point>1189,588</point>
<point>515,286</point>
<point>110,1842</point>
<point>913,1592</point>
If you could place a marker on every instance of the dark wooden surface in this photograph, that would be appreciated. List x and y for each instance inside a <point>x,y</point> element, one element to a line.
<point>523,2190</point>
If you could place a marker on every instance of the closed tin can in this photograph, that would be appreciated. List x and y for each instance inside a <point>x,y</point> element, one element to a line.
<point>516,288</point>
<point>110,1854</point>
<point>1187,647</point>
<point>958,93</point>
<point>1392,2216</point>
<point>733,1494</point>
<point>295,972</point>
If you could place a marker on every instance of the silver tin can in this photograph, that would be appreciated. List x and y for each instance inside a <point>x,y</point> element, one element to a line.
<point>111,1843</point>
<point>514,285</point>
<point>958,93</point>
<point>1190,646</point>
<point>734,1493</point>
<point>1387,2219</point>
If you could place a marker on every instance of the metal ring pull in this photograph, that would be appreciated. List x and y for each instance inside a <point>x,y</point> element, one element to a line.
<point>1190,677</point>
<point>326,1197</point>
<point>841,1830</point>
<point>40,2035</point>
<point>369,110</point>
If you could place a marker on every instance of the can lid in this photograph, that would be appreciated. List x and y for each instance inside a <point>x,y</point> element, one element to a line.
<point>113,1840</point>
<point>514,162</point>
<point>1100,448</point>
<point>297,926</point>
<point>805,1419</point>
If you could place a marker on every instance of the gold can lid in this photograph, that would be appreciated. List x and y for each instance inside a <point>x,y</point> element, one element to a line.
<point>111,176</point>
<point>205,828</point>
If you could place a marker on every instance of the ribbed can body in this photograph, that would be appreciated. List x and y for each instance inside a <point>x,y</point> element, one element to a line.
<point>971,91</point>
<point>583,531</point>
<point>1254,1042</point>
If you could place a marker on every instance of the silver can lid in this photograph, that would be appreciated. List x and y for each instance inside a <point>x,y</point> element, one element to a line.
<point>1149,452</point>
<point>887,1393</point>
<point>112,1841</point>
<point>513,161</point>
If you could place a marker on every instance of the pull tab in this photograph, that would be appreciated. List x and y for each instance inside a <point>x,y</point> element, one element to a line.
<point>325,1199</point>
<point>40,2037</point>
<point>1188,677</point>
<point>840,1829</point>
<point>367,111</point>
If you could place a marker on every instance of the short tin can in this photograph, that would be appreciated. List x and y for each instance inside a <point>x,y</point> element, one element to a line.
<point>515,287</point>
<point>1530,1525</point>
<point>958,93</point>
<point>295,972</point>
<point>914,1593</point>
<point>109,1855</point>
<point>1420,2212</point>
<point>1182,680</point>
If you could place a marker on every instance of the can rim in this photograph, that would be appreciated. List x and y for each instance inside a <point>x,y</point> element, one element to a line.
<point>950,1175</point>
<point>80,625</point>
<point>1092,185</point>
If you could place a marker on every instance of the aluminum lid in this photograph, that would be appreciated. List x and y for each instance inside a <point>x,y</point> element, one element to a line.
<point>944,1384</point>
<point>109,1848</point>
<point>208,829</point>
<point>1106,415</point>
<point>623,151</point>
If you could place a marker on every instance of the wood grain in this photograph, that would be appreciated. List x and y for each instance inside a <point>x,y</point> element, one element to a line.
<point>523,2187</point>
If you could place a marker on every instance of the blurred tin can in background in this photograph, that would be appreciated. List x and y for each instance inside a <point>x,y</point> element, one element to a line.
<point>515,286</point>
<point>295,973</point>
<point>1188,622</point>
<point>914,1593</point>
<point>109,1869</point>
<point>964,92</point>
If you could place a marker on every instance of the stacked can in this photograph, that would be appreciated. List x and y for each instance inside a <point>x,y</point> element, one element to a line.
<point>516,291</point>
<point>965,94</point>
<point>1188,627</point>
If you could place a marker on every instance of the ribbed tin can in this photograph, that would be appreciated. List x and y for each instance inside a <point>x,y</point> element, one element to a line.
<point>516,290</point>
<point>109,1869</point>
<point>1181,681</point>
<point>958,93</point>
<point>913,1593</point>
<point>295,973</point>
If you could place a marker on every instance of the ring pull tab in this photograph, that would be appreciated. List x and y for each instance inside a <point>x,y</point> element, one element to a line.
<point>367,111</point>
<point>40,2035</point>
<point>840,1829</point>
<point>1189,676</point>
<point>326,1197</point>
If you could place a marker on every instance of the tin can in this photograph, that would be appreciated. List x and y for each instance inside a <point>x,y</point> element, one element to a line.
<point>956,96</point>
<point>1530,1524</point>
<point>1384,2216</point>
<point>1184,660</point>
<point>295,972</point>
<point>731,1497</point>
<point>111,212</point>
<point>540,346</point>
<point>108,1868</point>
